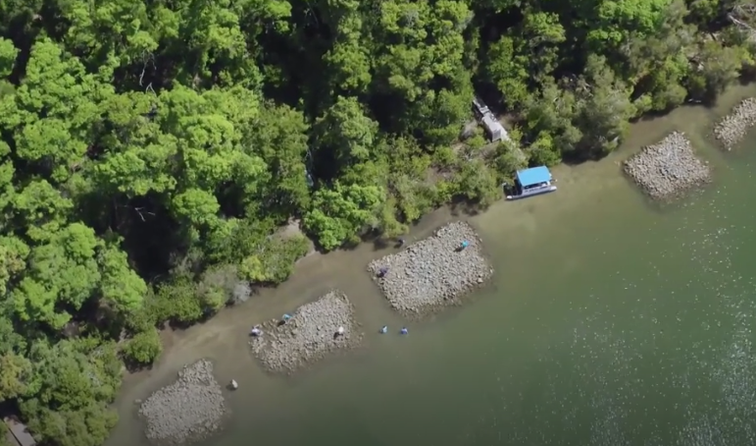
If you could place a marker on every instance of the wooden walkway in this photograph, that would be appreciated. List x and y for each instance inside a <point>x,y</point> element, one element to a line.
<point>18,432</point>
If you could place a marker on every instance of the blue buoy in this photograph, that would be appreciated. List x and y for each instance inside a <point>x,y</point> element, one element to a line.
<point>404,331</point>
<point>384,330</point>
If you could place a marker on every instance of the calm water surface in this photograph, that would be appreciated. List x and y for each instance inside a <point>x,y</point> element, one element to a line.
<point>610,323</point>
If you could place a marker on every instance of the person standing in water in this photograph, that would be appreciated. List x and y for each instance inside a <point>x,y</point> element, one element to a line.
<point>404,331</point>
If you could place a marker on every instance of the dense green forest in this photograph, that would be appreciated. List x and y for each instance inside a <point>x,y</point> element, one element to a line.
<point>153,152</point>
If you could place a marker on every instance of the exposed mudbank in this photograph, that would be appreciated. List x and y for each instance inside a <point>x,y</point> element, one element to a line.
<point>668,169</point>
<point>189,410</point>
<point>314,331</point>
<point>433,273</point>
<point>731,129</point>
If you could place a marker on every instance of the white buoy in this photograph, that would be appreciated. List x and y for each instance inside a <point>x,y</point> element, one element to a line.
<point>340,331</point>
<point>234,384</point>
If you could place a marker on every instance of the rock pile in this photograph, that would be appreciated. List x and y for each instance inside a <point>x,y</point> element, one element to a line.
<point>308,336</point>
<point>734,127</point>
<point>433,273</point>
<point>188,410</point>
<point>668,168</point>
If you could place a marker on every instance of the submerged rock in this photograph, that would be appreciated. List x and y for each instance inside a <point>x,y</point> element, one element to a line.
<point>433,273</point>
<point>667,169</point>
<point>312,332</point>
<point>731,129</point>
<point>190,409</point>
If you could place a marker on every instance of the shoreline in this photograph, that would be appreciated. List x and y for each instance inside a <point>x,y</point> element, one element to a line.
<point>225,334</point>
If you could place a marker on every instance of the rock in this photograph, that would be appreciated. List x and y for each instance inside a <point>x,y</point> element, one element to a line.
<point>733,128</point>
<point>433,273</point>
<point>667,169</point>
<point>189,410</point>
<point>314,331</point>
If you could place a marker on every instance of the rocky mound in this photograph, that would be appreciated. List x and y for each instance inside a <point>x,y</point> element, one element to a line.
<point>433,273</point>
<point>734,127</point>
<point>188,410</point>
<point>309,335</point>
<point>668,168</point>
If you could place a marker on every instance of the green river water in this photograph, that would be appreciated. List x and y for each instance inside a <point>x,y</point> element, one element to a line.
<point>610,322</point>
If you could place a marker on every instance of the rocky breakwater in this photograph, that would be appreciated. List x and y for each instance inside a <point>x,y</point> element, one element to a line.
<point>188,410</point>
<point>667,169</point>
<point>314,331</point>
<point>734,127</point>
<point>433,273</point>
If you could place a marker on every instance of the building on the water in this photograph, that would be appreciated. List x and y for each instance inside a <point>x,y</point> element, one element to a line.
<point>18,434</point>
<point>494,129</point>
<point>529,182</point>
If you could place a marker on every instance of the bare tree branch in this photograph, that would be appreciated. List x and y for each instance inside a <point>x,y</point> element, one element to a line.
<point>148,59</point>
<point>141,215</point>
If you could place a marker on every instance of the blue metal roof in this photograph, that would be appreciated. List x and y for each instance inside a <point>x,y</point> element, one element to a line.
<point>534,175</point>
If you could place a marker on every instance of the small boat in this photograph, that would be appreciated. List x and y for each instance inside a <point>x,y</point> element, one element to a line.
<point>529,182</point>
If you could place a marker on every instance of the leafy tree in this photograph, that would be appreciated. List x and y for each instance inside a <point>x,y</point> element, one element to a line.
<point>273,262</point>
<point>340,214</point>
<point>718,67</point>
<point>614,20</point>
<point>62,273</point>
<point>144,347</point>
<point>8,54</point>
<point>4,441</point>
<point>177,300</point>
<point>543,151</point>
<point>508,71</point>
<point>605,110</point>
<point>53,113</point>
<point>280,139</point>
<point>347,132</point>
<point>15,371</point>
<point>73,382</point>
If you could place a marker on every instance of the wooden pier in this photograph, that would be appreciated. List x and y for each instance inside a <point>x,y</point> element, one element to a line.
<point>18,434</point>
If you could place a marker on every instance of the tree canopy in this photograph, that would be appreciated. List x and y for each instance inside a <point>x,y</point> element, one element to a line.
<point>159,160</point>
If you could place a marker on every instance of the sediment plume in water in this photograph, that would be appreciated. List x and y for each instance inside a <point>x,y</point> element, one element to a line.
<point>189,410</point>
<point>311,334</point>
<point>731,129</point>
<point>668,169</point>
<point>433,273</point>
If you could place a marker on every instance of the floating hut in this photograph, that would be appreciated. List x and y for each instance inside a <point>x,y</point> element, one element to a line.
<point>529,182</point>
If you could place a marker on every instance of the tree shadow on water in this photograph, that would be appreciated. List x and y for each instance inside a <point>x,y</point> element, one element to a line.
<point>378,239</point>
<point>463,206</point>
